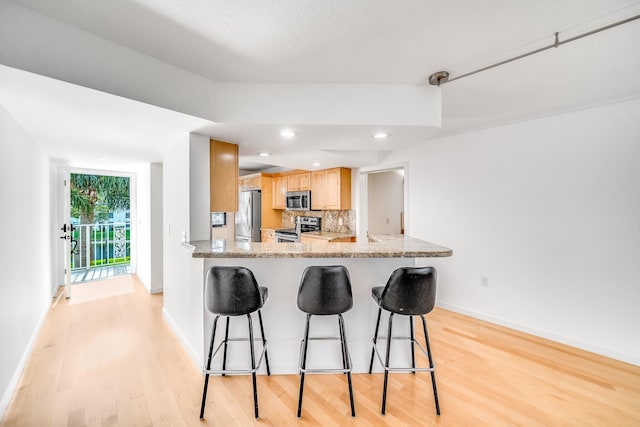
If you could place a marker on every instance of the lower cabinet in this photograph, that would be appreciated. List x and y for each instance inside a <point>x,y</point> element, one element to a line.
<point>306,239</point>
<point>268,236</point>
<point>310,239</point>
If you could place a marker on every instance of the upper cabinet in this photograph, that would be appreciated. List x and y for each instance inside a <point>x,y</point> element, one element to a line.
<point>299,182</point>
<point>304,180</point>
<point>331,189</point>
<point>289,181</point>
<point>293,182</point>
<point>223,176</point>
<point>279,192</point>
<point>317,190</point>
<point>251,182</point>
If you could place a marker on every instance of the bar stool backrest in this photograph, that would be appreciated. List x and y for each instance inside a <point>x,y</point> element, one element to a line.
<point>231,291</point>
<point>410,291</point>
<point>325,290</point>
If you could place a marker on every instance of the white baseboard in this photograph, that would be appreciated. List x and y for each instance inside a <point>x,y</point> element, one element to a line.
<point>172,325</point>
<point>15,378</point>
<point>628,358</point>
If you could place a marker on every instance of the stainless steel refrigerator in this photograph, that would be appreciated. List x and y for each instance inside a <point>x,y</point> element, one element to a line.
<point>249,216</point>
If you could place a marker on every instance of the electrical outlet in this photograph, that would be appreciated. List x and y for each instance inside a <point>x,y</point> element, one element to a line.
<point>339,221</point>
<point>484,281</point>
<point>184,237</point>
<point>387,220</point>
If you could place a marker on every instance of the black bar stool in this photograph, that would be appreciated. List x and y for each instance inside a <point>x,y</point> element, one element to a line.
<point>233,291</point>
<point>325,291</point>
<point>410,291</point>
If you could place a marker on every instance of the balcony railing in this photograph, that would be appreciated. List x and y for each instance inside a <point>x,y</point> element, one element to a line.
<point>101,244</point>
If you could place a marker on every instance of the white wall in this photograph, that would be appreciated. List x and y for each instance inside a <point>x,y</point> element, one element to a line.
<point>143,255</point>
<point>148,182</point>
<point>182,304</point>
<point>155,172</point>
<point>386,201</point>
<point>547,210</point>
<point>25,250</point>
<point>200,223</point>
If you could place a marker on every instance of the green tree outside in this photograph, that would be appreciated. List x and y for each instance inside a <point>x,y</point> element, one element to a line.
<point>93,197</point>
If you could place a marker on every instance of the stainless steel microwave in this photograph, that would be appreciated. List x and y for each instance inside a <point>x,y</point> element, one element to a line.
<point>298,200</point>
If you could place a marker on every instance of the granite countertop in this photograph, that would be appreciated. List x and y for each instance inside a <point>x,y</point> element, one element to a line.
<point>327,235</point>
<point>383,247</point>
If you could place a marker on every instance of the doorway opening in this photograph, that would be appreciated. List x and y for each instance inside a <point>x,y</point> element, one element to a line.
<point>100,208</point>
<point>382,198</point>
<point>385,195</point>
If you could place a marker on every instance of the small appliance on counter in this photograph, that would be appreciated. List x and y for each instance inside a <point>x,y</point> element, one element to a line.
<point>218,219</point>
<point>249,216</point>
<point>298,200</point>
<point>303,224</point>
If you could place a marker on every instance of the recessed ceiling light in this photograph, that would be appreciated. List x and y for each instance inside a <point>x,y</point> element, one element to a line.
<point>287,133</point>
<point>380,135</point>
<point>316,164</point>
<point>263,154</point>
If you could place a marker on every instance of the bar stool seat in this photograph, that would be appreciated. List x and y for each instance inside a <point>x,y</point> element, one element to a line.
<point>410,291</point>
<point>232,292</point>
<point>325,291</point>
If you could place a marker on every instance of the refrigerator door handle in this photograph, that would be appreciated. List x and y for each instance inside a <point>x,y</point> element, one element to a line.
<point>250,216</point>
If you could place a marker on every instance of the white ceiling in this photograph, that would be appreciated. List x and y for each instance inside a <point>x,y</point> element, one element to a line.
<point>91,128</point>
<point>357,41</point>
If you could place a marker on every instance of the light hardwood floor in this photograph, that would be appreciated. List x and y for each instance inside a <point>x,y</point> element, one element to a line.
<point>113,361</point>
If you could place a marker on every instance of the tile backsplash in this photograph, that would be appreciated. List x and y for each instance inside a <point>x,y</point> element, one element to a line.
<point>331,221</point>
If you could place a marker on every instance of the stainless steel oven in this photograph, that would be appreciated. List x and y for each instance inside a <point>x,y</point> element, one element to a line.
<point>298,200</point>
<point>287,235</point>
<point>303,224</point>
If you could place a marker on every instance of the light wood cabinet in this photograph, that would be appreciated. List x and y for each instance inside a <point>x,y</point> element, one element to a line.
<point>251,182</point>
<point>313,239</point>
<point>268,236</point>
<point>304,180</point>
<point>308,239</point>
<point>299,181</point>
<point>331,189</point>
<point>279,192</point>
<point>223,176</point>
<point>317,190</point>
<point>293,182</point>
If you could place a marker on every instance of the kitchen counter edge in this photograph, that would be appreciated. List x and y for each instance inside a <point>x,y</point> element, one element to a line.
<point>376,247</point>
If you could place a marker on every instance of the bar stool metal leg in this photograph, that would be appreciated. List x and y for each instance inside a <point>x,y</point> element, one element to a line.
<point>375,340</point>
<point>253,366</point>
<point>264,344</point>
<point>342,349</point>
<point>305,344</point>
<point>433,374</point>
<point>226,341</point>
<point>345,352</point>
<point>206,376</point>
<point>386,364</point>
<point>413,344</point>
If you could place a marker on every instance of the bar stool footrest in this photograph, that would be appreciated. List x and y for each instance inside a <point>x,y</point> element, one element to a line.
<point>390,369</point>
<point>235,371</point>
<point>324,370</point>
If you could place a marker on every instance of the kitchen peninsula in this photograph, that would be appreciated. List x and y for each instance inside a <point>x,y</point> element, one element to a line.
<point>279,266</point>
